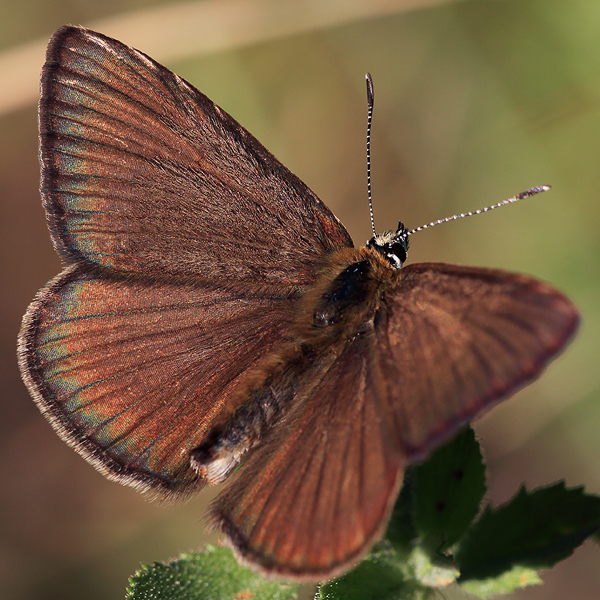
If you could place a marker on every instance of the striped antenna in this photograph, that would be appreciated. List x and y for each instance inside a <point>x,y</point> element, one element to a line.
<point>531,192</point>
<point>370,102</point>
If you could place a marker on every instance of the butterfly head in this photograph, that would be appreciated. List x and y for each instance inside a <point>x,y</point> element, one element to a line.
<point>392,245</point>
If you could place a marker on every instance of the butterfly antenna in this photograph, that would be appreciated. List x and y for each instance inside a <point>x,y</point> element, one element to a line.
<point>531,192</point>
<point>370,101</point>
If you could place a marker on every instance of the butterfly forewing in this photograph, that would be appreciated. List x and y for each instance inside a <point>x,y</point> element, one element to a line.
<point>443,344</point>
<point>452,341</point>
<point>202,237</point>
<point>143,173</point>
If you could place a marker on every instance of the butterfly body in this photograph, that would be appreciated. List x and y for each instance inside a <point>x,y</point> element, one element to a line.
<point>342,305</point>
<point>214,313</point>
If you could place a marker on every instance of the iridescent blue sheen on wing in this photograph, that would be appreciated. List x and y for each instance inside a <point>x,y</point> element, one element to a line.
<point>136,373</point>
<point>142,173</point>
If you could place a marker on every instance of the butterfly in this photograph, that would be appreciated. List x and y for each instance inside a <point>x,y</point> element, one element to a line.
<point>214,316</point>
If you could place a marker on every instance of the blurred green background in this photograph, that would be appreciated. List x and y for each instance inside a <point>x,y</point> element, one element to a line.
<point>475,101</point>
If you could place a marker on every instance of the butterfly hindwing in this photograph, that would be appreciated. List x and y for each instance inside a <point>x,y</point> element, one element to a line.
<point>190,242</point>
<point>135,374</point>
<point>316,494</point>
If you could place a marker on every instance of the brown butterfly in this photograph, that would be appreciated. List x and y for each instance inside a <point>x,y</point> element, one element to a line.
<point>215,313</point>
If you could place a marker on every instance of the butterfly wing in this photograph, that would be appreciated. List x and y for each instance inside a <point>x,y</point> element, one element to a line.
<point>142,173</point>
<point>313,498</point>
<point>134,374</point>
<point>452,341</point>
<point>446,343</point>
<point>191,242</point>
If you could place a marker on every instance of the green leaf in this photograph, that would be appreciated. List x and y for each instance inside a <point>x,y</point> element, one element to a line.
<point>210,575</point>
<point>534,530</point>
<point>517,577</point>
<point>377,577</point>
<point>402,531</point>
<point>448,490</point>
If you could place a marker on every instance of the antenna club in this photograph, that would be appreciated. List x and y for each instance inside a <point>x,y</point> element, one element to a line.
<point>370,93</point>
<point>533,191</point>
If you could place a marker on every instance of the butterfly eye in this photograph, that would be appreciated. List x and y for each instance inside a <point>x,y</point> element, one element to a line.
<point>392,246</point>
<point>396,254</point>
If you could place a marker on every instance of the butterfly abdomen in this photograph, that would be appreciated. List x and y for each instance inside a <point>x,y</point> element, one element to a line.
<point>224,450</point>
<point>261,404</point>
